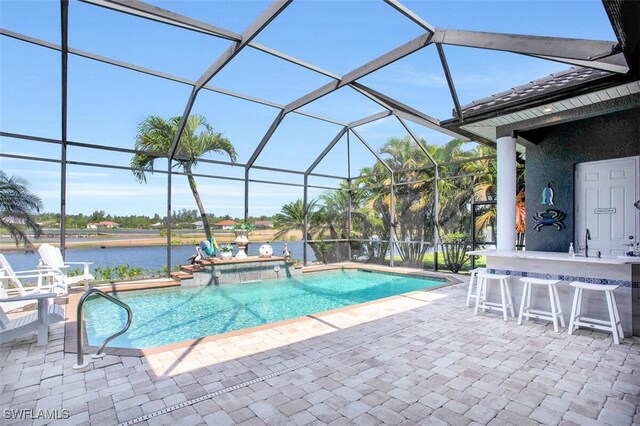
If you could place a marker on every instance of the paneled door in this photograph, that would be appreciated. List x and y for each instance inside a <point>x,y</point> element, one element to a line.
<point>605,192</point>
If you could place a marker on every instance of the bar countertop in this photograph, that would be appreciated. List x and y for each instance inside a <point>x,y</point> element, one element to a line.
<point>554,256</point>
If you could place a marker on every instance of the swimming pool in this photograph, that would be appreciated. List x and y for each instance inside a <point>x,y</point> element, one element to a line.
<point>165,316</point>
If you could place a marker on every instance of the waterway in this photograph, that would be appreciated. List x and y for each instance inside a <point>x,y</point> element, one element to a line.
<point>149,258</point>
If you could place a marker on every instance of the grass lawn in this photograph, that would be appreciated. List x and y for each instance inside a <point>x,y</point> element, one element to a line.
<point>428,262</point>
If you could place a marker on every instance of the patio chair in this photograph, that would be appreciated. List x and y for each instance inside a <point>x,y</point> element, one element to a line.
<point>8,275</point>
<point>10,329</point>
<point>51,258</point>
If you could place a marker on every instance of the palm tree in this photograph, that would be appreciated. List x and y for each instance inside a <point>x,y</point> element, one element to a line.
<point>374,200</point>
<point>17,207</point>
<point>414,196</point>
<point>155,135</point>
<point>485,189</point>
<point>454,194</point>
<point>291,217</point>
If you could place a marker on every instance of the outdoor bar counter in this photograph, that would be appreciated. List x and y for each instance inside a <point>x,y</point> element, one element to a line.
<point>611,270</point>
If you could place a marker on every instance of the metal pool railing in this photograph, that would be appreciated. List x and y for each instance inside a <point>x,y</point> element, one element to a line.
<point>80,319</point>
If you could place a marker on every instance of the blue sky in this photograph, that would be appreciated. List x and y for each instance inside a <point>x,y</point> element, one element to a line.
<point>107,103</point>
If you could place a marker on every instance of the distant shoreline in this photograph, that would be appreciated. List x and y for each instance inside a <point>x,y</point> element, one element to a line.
<point>187,239</point>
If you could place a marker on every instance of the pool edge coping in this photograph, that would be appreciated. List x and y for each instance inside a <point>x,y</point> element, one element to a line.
<point>70,327</point>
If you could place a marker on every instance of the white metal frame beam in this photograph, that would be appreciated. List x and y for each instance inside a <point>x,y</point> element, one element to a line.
<point>556,47</point>
<point>374,65</point>
<point>154,13</point>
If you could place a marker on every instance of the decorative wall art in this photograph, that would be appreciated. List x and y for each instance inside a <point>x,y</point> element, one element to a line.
<point>549,217</point>
<point>547,195</point>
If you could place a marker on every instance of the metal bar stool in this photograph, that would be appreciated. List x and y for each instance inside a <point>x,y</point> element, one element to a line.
<point>473,282</point>
<point>483,289</point>
<point>554,301</point>
<point>614,324</point>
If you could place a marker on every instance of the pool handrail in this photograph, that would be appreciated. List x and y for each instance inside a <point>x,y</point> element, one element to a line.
<point>79,321</point>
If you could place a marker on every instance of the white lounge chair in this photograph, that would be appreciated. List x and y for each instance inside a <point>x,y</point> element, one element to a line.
<point>11,284</point>
<point>51,258</point>
<point>10,329</point>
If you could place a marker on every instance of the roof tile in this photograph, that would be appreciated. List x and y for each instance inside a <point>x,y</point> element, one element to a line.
<point>545,85</point>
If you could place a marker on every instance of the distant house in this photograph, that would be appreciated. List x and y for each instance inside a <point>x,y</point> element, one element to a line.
<point>157,225</point>
<point>263,224</point>
<point>198,224</point>
<point>225,224</point>
<point>105,224</point>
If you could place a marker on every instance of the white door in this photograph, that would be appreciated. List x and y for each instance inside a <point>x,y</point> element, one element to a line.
<point>605,192</point>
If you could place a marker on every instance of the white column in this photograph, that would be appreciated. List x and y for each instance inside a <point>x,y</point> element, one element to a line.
<point>506,193</point>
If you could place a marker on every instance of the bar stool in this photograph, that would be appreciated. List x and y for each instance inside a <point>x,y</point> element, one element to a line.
<point>554,301</point>
<point>473,280</point>
<point>483,289</point>
<point>614,324</point>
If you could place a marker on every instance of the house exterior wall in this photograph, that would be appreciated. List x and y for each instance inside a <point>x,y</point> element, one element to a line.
<point>558,149</point>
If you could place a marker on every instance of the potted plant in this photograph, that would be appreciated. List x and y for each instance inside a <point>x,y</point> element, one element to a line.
<point>242,229</point>
<point>242,238</point>
<point>226,251</point>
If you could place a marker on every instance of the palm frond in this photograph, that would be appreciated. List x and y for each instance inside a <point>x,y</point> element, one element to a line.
<point>17,208</point>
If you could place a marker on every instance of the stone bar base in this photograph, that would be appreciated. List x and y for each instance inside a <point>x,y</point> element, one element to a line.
<point>218,271</point>
<point>625,273</point>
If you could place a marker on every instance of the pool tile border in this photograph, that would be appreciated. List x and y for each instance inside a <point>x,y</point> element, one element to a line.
<point>72,304</point>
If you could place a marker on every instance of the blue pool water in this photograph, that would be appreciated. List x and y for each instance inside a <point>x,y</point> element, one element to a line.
<point>165,316</point>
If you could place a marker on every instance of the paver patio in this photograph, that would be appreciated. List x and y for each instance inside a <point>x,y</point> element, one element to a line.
<point>417,358</point>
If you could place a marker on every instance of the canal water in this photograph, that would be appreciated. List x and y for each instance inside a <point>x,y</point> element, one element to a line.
<point>146,258</point>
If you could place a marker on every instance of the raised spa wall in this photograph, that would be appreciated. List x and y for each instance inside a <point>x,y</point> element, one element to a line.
<point>241,270</point>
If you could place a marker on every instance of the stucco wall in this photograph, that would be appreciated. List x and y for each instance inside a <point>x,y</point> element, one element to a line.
<point>554,157</point>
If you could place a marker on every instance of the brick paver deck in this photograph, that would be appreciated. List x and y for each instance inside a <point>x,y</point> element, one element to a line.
<point>418,358</point>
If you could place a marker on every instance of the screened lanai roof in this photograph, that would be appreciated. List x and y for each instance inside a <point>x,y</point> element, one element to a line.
<point>302,88</point>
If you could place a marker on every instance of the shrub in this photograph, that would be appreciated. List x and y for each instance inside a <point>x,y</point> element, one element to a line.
<point>121,272</point>
<point>105,273</point>
<point>454,251</point>
<point>74,272</point>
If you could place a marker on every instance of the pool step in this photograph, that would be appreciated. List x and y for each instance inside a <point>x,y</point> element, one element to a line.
<point>180,275</point>
<point>190,269</point>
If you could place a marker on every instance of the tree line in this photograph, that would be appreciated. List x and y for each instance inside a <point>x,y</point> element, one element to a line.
<point>464,174</point>
<point>183,218</point>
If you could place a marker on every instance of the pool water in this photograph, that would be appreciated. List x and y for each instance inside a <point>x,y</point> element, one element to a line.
<point>165,316</point>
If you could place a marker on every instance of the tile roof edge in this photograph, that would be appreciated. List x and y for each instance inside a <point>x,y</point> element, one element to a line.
<point>471,110</point>
<point>532,83</point>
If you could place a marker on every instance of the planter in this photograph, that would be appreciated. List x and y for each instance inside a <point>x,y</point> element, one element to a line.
<point>242,239</point>
<point>224,255</point>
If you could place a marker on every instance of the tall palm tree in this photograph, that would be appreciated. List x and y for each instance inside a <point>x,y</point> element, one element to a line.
<point>17,207</point>
<point>414,196</point>
<point>155,134</point>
